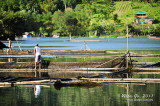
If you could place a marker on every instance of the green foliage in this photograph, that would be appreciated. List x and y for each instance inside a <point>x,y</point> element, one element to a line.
<point>76,17</point>
<point>48,6</point>
<point>109,28</point>
<point>70,21</point>
<point>14,24</point>
<point>112,36</point>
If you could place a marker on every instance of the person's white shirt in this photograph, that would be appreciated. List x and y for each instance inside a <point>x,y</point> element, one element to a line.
<point>38,50</point>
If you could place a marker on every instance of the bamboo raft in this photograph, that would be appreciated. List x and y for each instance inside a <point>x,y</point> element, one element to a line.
<point>80,82</point>
<point>97,70</point>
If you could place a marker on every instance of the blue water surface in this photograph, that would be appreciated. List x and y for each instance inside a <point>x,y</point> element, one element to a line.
<point>137,43</point>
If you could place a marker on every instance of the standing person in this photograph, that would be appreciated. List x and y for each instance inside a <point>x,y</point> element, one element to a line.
<point>37,55</point>
<point>9,50</point>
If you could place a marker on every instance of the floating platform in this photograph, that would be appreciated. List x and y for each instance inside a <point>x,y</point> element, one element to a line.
<point>81,81</point>
<point>136,70</point>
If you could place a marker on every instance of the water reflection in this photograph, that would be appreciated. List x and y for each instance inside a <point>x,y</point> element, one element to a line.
<point>53,74</point>
<point>108,95</point>
<point>37,90</point>
<point>64,74</point>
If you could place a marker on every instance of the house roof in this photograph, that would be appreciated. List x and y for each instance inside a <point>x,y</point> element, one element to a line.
<point>141,12</point>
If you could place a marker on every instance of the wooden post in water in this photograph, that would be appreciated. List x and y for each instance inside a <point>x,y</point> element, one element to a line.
<point>70,36</point>
<point>84,45</point>
<point>127,52</point>
<point>35,73</point>
<point>127,49</point>
<point>127,95</point>
<point>39,73</point>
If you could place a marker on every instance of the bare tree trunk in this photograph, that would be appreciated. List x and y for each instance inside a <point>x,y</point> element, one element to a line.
<point>65,7</point>
<point>70,36</point>
<point>95,32</point>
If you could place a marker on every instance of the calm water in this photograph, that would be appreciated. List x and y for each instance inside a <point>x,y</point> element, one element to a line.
<point>103,44</point>
<point>107,95</point>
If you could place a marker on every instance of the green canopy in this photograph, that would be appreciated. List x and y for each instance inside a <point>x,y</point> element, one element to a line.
<point>141,12</point>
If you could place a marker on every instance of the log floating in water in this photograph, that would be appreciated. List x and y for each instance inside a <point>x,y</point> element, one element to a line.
<point>82,81</point>
<point>35,82</point>
<point>5,84</point>
<point>124,80</point>
<point>78,83</point>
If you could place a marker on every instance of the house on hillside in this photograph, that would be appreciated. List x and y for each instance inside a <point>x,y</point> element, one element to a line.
<point>141,17</point>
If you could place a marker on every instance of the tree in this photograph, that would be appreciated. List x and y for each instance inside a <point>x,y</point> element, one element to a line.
<point>83,17</point>
<point>14,24</point>
<point>59,23</point>
<point>70,21</point>
<point>47,25</point>
<point>70,3</point>
<point>109,28</point>
<point>99,12</point>
<point>48,6</point>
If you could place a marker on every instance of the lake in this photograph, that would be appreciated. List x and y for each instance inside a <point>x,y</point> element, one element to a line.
<point>137,43</point>
<point>109,94</point>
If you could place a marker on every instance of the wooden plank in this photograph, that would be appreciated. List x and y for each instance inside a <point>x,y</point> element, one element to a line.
<point>140,55</point>
<point>34,82</point>
<point>82,69</point>
<point>124,80</point>
<point>99,80</point>
<point>146,72</point>
<point>5,84</point>
<point>146,69</point>
<point>45,70</point>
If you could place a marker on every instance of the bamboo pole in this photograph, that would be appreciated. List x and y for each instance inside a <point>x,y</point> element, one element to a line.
<point>81,70</point>
<point>127,52</point>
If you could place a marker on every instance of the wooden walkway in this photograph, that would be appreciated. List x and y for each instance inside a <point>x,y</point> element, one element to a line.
<point>82,69</point>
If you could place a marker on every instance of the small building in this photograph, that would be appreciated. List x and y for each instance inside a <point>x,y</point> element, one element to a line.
<point>27,35</point>
<point>141,17</point>
<point>55,36</point>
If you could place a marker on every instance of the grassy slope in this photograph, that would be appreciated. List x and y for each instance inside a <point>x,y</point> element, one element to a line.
<point>127,9</point>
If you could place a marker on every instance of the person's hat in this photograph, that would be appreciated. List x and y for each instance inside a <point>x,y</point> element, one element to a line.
<point>36,45</point>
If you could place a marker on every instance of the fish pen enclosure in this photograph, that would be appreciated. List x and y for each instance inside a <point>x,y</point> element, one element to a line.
<point>46,64</point>
<point>70,60</point>
<point>66,60</point>
<point>116,62</point>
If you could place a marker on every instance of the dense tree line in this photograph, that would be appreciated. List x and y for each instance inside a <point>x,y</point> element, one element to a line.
<point>62,17</point>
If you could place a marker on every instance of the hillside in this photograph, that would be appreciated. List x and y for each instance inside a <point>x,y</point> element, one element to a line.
<point>126,10</point>
<point>78,18</point>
